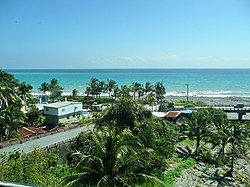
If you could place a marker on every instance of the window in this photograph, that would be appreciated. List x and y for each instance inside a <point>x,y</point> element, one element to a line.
<point>63,110</point>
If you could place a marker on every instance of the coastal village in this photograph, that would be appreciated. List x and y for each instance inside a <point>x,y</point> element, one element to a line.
<point>134,93</point>
<point>187,129</point>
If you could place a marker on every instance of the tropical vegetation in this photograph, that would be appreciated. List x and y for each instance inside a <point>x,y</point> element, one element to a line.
<point>128,146</point>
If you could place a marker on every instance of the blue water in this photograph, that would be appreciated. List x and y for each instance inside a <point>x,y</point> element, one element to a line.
<point>203,82</point>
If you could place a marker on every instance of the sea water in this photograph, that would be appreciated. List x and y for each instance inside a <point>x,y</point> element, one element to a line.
<point>202,82</point>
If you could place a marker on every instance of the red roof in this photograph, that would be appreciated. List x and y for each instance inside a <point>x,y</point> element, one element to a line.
<point>172,114</point>
<point>30,131</point>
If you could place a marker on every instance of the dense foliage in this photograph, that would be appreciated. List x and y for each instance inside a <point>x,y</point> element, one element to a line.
<point>127,146</point>
<point>37,168</point>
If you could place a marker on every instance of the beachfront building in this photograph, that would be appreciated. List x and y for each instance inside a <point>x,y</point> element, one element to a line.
<point>54,112</point>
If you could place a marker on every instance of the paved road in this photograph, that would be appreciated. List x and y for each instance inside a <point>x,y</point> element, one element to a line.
<point>44,141</point>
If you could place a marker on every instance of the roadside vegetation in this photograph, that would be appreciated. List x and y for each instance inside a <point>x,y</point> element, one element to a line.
<point>128,146</point>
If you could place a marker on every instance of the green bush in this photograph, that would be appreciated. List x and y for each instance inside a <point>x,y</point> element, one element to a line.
<point>179,166</point>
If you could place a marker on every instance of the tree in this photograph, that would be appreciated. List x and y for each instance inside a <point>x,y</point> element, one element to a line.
<point>110,158</point>
<point>219,136</point>
<point>74,92</point>
<point>125,114</point>
<point>93,87</point>
<point>237,135</point>
<point>101,87</point>
<point>151,100</point>
<point>44,87</point>
<point>135,88</point>
<point>8,86</point>
<point>111,85</point>
<point>198,127</point>
<point>34,117</point>
<point>160,90</point>
<point>11,118</point>
<point>125,91</point>
<point>37,168</point>
<point>117,92</point>
<point>24,92</point>
<point>148,87</point>
<point>55,89</point>
<point>159,136</point>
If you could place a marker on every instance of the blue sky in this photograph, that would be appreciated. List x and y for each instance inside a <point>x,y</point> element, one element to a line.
<point>124,34</point>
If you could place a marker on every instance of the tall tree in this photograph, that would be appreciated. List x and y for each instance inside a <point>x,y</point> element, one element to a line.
<point>135,87</point>
<point>111,159</point>
<point>219,136</point>
<point>93,86</point>
<point>44,87</point>
<point>148,87</point>
<point>111,86</point>
<point>55,89</point>
<point>74,92</point>
<point>24,92</point>
<point>160,90</point>
<point>198,127</point>
<point>8,87</point>
<point>101,87</point>
<point>117,91</point>
<point>237,135</point>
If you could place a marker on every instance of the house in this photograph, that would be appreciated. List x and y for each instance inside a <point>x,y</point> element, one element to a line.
<point>56,111</point>
<point>173,116</point>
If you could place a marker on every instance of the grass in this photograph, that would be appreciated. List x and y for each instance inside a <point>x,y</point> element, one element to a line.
<point>177,166</point>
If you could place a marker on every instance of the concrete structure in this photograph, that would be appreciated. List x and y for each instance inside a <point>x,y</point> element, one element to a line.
<point>56,111</point>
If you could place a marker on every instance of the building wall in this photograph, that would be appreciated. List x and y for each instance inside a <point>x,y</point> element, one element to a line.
<point>51,120</point>
<point>70,109</point>
<point>50,111</point>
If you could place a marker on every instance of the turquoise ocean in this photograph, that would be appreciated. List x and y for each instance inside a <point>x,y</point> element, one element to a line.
<point>202,82</point>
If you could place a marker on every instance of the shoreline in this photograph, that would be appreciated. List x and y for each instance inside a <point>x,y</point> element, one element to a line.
<point>209,99</point>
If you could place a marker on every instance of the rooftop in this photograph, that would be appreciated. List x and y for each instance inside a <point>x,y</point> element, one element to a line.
<point>172,114</point>
<point>61,104</point>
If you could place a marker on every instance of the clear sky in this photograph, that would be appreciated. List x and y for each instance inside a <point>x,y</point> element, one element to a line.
<point>124,34</point>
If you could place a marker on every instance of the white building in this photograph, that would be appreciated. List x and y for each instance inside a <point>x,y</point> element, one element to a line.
<point>59,110</point>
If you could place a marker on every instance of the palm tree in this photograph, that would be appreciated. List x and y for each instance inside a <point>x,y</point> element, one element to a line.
<point>135,88</point>
<point>74,92</point>
<point>125,91</point>
<point>88,90</point>
<point>11,118</point>
<point>101,87</point>
<point>160,90</point>
<point>148,87</point>
<point>94,86</point>
<point>24,92</point>
<point>219,136</point>
<point>8,86</point>
<point>237,135</point>
<point>112,159</point>
<point>55,89</point>
<point>198,127</point>
<point>111,86</point>
<point>151,100</point>
<point>117,91</point>
<point>44,87</point>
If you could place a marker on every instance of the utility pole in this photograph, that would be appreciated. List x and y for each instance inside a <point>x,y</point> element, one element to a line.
<point>187,91</point>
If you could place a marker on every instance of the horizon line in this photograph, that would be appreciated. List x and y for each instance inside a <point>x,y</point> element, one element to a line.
<point>146,68</point>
